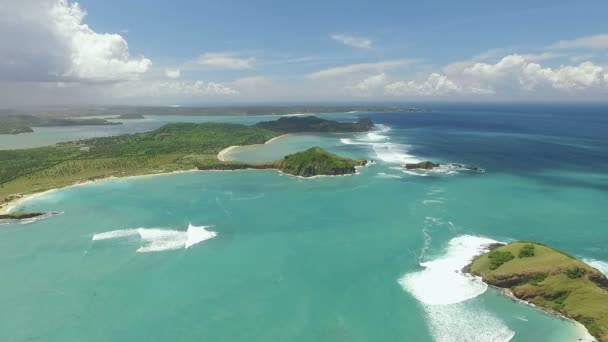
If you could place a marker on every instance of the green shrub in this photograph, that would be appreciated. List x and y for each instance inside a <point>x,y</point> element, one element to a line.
<point>497,258</point>
<point>526,251</point>
<point>575,272</point>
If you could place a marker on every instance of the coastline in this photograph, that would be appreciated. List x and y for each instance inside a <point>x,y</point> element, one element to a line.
<point>221,156</point>
<point>7,207</point>
<point>585,336</point>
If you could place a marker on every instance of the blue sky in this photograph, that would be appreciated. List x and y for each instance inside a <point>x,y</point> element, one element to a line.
<point>160,52</point>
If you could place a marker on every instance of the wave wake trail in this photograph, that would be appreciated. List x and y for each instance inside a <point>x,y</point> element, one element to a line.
<point>159,239</point>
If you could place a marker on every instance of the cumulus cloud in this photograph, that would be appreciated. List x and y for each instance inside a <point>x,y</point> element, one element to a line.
<point>512,74</point>
<point>47,40</point>
<point>173,73</point>
<point>222,60</point>
<point>368,84</point>
<point>362,67</point>
<point>599,41</point>
<point>352,41</point>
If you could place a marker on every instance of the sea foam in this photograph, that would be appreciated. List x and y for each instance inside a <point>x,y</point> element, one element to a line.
<point>386,151</point>
<point>443,290</point>
<point>601,266</point>
<point>159,239</point>
<point>430,285</point>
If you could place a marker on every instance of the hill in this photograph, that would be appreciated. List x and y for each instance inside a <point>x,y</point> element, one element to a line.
<point>550,279</point>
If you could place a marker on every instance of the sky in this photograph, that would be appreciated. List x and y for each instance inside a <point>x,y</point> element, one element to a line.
<point>196,52</point>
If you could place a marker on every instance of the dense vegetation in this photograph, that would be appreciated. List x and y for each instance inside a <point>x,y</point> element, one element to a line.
<point>130,116</point>
<point>296,124</point>
<point>15,124</point>
<point>550,279</point>
<point>172,147</point>
<point>316,161</point>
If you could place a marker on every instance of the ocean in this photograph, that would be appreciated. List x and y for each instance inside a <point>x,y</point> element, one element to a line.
<point>260,256</point>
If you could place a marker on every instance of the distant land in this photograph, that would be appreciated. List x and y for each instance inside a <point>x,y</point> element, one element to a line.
<point>77,111</point>
<point>315,124</point>
<point>550,279</point>
<point>16,124</point>
<point>173,147</point>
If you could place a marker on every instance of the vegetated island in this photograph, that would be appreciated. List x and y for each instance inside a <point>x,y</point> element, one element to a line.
<point>130,116</point>
<point>550,279</point>
<point>296,124</point>
<point>17,124</point>
<point>173,147</point>
<point>19,215</point>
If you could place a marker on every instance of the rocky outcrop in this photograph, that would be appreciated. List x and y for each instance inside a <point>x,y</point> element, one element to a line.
<point>425,165</point>
<point>19,216</point>
<point>316,162</point>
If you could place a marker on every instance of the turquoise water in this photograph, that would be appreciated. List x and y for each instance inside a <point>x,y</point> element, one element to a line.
<point>370,257</point>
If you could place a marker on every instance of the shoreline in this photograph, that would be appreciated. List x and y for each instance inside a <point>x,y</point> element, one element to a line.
<point>7,207</point>
<point>221,156</point>
<point>585,335</point>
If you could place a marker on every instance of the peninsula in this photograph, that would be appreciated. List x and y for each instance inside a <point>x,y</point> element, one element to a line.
<point>17,124</point>
<point>296,124</point>
<point>171,148</point>
<point>550,279</point>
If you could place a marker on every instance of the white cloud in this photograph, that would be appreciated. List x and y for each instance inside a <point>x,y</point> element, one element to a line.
<point>352,41</point>
<point>172,88</point>
<point>173,73</point>
<point>370,83</point>
<point>511,75</point>
<point>599,41</point>
<point>354,68</point>
<point>435,85</point>
<point>221,60</point>
<point>46,40</point>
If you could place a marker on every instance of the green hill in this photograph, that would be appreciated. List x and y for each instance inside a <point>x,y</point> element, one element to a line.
<point>316,161</point>
<point>550,279</point>
<point>295,124</point>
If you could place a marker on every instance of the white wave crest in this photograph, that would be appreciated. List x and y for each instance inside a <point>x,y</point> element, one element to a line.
<point>158,239</point>
<point>442,288</point>
<point>429,284</point>
<point>601,266</point>
<point>387,175</point>
<point>449,323</point>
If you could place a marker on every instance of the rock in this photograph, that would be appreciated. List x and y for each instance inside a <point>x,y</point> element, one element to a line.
<point>425,165</point>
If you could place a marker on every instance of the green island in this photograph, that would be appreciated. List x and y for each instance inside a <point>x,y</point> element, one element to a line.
<point>296,124</point>
<point>173,147</point>
<point>550,279</point>
<point>17,124</point>
<point>130,116</point>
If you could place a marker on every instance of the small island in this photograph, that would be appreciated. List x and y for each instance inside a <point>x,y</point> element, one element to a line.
<point>425,165</point>
<point>316,161</point>
<point>129,116</point>
<point>295,124</point>
<point>550,279</point>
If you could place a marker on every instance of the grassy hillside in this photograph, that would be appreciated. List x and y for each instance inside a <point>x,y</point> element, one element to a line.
<point>550,279</point>
<point>170,148</point>
<point>316,161</point>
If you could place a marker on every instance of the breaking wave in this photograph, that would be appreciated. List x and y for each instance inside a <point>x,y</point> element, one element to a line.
<point>601,266</point>
<point>386,151</point>
<point>158,239</point>
<point>443,289</point>
<point>428,285</point>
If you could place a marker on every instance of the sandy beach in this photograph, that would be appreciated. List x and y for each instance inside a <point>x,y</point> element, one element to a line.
<point>224,153</point>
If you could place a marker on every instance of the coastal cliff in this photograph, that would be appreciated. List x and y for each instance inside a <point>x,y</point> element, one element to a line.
<point>550,279</point>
